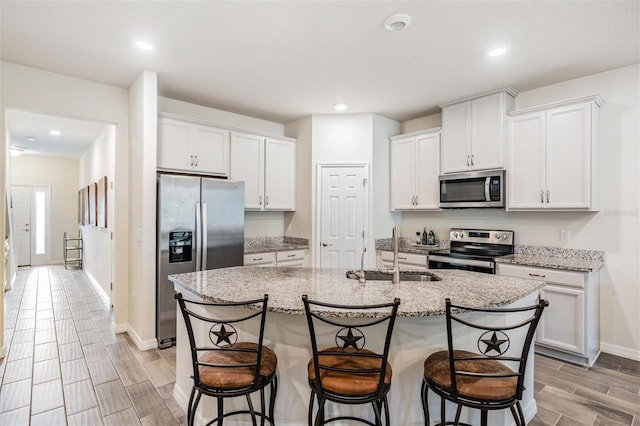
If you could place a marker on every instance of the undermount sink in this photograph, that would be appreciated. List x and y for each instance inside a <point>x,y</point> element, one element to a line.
<point>371,275</point>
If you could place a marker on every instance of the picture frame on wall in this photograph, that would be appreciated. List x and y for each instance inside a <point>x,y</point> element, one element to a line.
<point>81,206</point>
<point>93,190</point>
<point>86,205</point>
<point>102,202</point>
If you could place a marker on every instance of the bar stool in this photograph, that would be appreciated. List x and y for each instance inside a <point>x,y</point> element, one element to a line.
<point>223,366</point>
<point>487,371</point>
<point>346,372</point>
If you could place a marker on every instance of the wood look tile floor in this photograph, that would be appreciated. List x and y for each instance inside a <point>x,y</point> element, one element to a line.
<point>64,365</point>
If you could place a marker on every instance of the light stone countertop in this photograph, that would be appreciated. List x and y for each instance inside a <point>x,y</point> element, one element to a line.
<point>285,287</point>
<point>271,244</point>
<point>555,258</point>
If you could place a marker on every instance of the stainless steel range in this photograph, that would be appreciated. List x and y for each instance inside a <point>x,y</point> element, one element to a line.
<point>473,250</point>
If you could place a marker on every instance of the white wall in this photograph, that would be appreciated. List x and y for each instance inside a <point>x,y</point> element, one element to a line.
<point>56,94</point>
<point>96,162</point>
<point>143,124</point>
<point>62,175</point>
<point>615,229</point>
<point>298,224</point>
<point>257,224</point>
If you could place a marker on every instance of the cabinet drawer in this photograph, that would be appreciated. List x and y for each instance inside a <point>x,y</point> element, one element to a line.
<point>567,278</point>
<point>290,255</point>
<point>260,259</point>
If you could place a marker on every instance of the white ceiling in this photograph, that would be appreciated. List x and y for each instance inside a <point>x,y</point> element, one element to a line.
<point>74,139</point>
<point>284,60</point>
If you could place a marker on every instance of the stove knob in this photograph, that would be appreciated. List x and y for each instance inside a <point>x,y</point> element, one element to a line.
<point>455,235</point>
<point>462,235</point>
<point>504,236</point>
<point>498,236</point>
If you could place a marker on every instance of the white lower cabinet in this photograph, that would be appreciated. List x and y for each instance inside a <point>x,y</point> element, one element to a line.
<point>295,258</point>
<point>569,327</point>
<point>406,261</point>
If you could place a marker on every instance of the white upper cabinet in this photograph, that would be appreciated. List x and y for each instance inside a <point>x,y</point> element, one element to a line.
<point>473,132</point>
<point>191,147</point>
<point>552,156</point>
<point>267,167</point>
<point>415,166</point>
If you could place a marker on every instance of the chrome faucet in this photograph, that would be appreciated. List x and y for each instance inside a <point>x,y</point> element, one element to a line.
<point>394,246</point>
<point>361,278</point>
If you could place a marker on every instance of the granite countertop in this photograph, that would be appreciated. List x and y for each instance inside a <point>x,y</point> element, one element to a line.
<point>269,244</point>
<point>286,286</point>
<point>407,246</point>
<point>555,258</point>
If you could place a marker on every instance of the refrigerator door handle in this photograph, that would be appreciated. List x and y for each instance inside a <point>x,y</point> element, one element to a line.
<point>204,237</point>
<point>198,238</point>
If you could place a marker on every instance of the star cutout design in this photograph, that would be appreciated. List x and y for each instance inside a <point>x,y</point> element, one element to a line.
<point>350,339</point>
<point>494,344</point>
<point>222,334</point>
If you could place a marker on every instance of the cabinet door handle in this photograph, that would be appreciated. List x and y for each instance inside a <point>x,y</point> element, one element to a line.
<point>291,255</point>
<point>537,275</point>
<point>256,259</point>
<point>417,200</point>
<point>402,258</point>
<point>542,196</point>
<point>472,159</point>
<point>191,156</point>
<point>266,200</point>
<point>196,157</point>
<point>468,160</point>
<point>548,197</point>
<point>260,200</point>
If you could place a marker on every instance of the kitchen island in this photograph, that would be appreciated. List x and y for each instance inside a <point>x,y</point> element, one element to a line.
<point>419,330</point>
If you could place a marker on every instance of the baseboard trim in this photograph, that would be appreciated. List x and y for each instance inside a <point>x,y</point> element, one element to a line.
<point>143,345</point>
<point>120,328</point>
<point>621,351</point>
<point>97,286</point>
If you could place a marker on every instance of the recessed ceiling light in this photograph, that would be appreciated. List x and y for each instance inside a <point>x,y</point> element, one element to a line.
<point>397,22</point>
<point>30,138</point>
<point>498,50</point>
<point>340,106</point>
<point>143,44</point>
<point>55,132</point>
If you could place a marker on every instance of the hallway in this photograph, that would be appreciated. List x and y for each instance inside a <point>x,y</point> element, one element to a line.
<point>65,365</point>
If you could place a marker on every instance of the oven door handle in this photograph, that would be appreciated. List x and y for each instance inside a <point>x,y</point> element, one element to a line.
<point>458,261</point>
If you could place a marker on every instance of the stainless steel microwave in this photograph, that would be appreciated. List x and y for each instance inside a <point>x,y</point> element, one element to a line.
<point>479,189</point>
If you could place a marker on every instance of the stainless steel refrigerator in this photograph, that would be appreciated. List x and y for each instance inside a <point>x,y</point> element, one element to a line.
<point>200,226</point>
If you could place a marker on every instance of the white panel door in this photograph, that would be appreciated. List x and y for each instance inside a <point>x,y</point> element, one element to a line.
<point>21,202</point>
<point>427,158</point>
<point>279,174</point>
<point>569,157</point>
<point>403,174</point>
<point>456,134</point>
<point>562,324</point>
<point>342,220</point>
<point>488,117</point>
<point>211,150</point>
<point>526,162</point>
<point>247,165</point>
<point>175,147</point>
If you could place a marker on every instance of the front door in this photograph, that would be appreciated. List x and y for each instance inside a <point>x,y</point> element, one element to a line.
<point>343,214</point>
<point>21,203</point>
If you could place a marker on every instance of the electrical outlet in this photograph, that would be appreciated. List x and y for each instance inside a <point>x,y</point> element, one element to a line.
<point>565,235</point>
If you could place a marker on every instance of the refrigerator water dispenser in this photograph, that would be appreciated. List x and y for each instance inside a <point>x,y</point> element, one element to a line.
<point>180,246</point>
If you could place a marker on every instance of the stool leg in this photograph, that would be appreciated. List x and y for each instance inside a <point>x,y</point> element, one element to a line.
<point>376,412</point>
<point>385,401</point>
<point>523,422</point>
<point>190,405</point>
<point>515,415</point>
<point>251,410</point>
<point>456,421</point>
<point>220,411</point>
<point>195,408</point>
<point>483,417</point>
<point>272,399</point>
<point>320,414</point>
<point>425,402</point>
<point>263,412</point>
<point>311,402</point>
<point>443,413</point>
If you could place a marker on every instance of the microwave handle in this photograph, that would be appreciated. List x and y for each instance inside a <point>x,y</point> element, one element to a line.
<point>487,193</point>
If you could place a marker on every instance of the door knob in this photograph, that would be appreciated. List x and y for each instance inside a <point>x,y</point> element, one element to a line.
<point>326,245</point>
